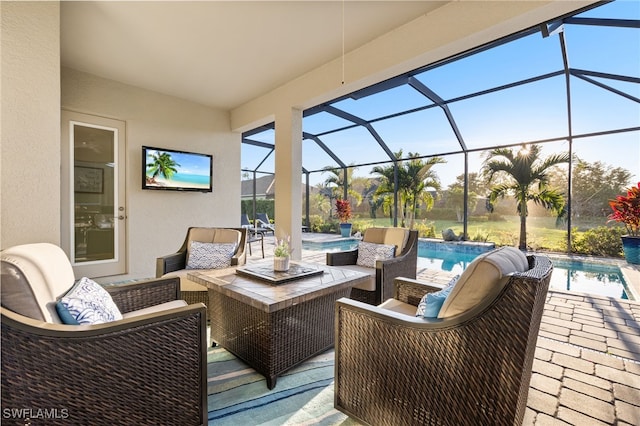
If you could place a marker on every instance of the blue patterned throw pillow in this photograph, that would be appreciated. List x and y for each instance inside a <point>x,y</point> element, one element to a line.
<point>368,253</point>
<point>210,255</point>
<point>87,303</point>
<point>431,303</point>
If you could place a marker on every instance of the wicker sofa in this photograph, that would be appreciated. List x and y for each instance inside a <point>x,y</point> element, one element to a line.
<point>174,265</point>
<point>471,366</point>
<point>147,368</point>
<point>402,264</point>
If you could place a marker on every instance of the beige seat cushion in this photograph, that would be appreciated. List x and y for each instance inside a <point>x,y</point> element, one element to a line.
<point>398,306</point>
<point>156,308</point>
<point>390,236</point>
<point>483,278</point>
<point>185,283</point>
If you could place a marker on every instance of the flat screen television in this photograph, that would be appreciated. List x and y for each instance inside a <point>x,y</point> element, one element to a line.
<point>171,170</point>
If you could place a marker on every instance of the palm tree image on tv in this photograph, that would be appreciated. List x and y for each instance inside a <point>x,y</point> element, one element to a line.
<point>162,165</point>
<point>177,170</point>
<point>525,176</point>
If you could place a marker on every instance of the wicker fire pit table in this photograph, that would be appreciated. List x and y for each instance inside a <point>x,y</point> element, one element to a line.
<point>274,321</point>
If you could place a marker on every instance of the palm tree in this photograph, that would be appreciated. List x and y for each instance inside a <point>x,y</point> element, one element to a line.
<point>384,192</point>
<point>419,177</point>
<point>415,176</point>
<point>163,165</point>
<point>527,179</point>
<point>336,182</point>
<point>319,201</point>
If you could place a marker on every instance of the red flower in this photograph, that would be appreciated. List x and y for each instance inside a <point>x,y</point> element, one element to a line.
<point>627,210</point>
<point>343,210</point>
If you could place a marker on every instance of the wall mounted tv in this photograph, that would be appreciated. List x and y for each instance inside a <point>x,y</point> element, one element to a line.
<point>168,169</point>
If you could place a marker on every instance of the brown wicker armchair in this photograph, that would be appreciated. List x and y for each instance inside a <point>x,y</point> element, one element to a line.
<point>173,265</point>
<point>403,264</point>
<point>472,368</point>
<point>144,369</point>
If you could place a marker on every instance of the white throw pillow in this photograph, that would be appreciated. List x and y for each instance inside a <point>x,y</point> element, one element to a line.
<point>368,253</point>
<point>87,303</point>
<point>210,255</point>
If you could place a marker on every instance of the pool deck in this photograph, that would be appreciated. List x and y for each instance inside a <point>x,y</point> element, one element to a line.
<point>587,362</point>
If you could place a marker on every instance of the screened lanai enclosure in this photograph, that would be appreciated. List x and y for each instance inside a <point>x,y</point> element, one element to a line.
<point>550,115</point>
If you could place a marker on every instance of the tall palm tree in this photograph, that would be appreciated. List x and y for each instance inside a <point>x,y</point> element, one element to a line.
<point>415,176</point>
<point>420,176</point>
<point>527,179</point>
<point>320,199</point>
<point>384,192</point>
<point>337,183</point>
<point>162,165</point>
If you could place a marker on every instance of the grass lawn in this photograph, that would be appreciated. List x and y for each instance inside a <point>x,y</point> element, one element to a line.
<point>542,232</point>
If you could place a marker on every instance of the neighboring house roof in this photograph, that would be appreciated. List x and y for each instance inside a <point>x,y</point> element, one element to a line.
<point>265,187</point>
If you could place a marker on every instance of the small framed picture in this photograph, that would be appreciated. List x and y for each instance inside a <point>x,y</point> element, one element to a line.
<point>88,180</point>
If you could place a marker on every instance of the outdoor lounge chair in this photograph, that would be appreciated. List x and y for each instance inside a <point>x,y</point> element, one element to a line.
<point>245,222</point>
<point>402,263</point>
<point>470,365</point>
<point>175,264</point>
<point>147,368</point>
<point>264,222</point>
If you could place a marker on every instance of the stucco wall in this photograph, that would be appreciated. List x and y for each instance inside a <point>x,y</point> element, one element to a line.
<point>30,126</point>
<point>157,220</point>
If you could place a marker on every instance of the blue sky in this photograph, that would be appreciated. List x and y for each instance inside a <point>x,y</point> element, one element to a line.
<point>536,111</point>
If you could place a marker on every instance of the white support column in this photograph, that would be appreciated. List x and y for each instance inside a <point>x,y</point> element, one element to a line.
<point>288,204</point>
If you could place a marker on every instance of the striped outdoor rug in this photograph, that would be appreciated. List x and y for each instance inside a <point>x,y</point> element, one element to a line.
<point>303,395</point>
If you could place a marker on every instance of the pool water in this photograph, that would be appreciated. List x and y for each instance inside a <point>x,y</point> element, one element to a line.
<point>583,277</point>
<point>568,275</point>
<point>334,245</point>
<point>588,277</point>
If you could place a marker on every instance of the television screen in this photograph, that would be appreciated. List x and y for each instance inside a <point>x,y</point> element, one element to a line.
<point>168,169</point>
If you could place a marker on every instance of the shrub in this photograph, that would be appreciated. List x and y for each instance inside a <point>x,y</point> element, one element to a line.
<point>601,241</point>
<point>361,225</point>
<point>481,235</point>
<point>317,223</point>
<point>426,229</point>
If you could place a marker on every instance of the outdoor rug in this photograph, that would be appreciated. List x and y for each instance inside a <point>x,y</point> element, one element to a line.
<point>239,396</point>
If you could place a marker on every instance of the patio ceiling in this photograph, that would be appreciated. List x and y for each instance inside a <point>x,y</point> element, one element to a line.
<point>220,53</point>
<point>513,91</point>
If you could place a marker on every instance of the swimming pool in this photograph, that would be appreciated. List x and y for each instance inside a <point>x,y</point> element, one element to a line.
<point>343,244</point>
<point>568,274</point>
<point>588,277</point>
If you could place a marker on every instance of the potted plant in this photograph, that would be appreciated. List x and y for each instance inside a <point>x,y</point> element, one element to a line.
<point>281,254</point>
<point>626,209</point>
<point>343,212</point>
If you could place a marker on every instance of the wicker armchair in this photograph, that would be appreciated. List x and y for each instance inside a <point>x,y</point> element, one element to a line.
<point>402,265</point>
<point>472,368</point>
<point>144,369</point>
<point>173,265</point>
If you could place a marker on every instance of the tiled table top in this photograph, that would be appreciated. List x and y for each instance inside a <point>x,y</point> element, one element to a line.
<point>270,297</point>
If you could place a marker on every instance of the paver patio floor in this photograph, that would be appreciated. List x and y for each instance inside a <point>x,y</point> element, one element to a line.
<point>587,363</point>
